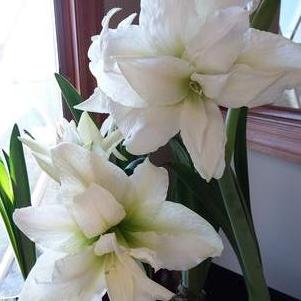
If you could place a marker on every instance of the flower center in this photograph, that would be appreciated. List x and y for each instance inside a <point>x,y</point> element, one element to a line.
<point>196,87</point>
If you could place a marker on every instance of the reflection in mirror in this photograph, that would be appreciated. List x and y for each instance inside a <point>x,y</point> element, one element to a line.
<point>290,27</point>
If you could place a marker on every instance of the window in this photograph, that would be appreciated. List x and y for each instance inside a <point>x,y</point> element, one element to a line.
<point>29,94</point>
<point>290,27</point>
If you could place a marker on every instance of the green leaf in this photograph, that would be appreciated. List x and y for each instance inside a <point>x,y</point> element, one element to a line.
<point>10,229</point>
<point>22,198</point>
<point>241,156</point>
<point>6,157</point>
<point>203,198</point>
<point>70,95</point>
<point>262,19</point>
<point>206,200</point>
<point>244,238</point>
<point>237,145</point>
<point>18,171</point>
<point>129,170</point>
<point>179,152</point>
<point>265,14</point>
<point>6,192</point>
<point>232,121</point>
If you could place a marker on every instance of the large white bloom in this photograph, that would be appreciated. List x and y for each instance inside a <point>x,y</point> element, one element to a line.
<point>171,73</point>
<point>104,226</point>
<point>85,134</point>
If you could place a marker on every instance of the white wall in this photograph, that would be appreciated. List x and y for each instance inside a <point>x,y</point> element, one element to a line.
<point>276,202</point>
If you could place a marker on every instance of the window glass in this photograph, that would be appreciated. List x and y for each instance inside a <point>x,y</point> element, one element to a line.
<point>290,27</point>
<point>29,95</point>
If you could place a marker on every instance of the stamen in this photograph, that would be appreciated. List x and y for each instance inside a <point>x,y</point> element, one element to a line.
<point>196,87</point>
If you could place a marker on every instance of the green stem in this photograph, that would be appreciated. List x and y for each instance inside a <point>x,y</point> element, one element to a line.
<point>243,234</point>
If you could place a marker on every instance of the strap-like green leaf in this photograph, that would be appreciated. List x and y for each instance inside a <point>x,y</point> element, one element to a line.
<point>10,230</point>
<point>179,152</point>
<point>245,241</point>
<point>70,95</point>
<point>21,189</point>
<point>241,156</point>
<point>5,183</point>
<point>129,169</point>
<point>265,14</point>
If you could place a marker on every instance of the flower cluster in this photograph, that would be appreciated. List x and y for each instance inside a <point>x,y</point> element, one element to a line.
<point>167,75</point>
<point>105,224</point>
<point>171,73</point>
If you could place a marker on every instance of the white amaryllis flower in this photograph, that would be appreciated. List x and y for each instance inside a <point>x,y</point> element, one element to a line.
<point>106,224</point>
<point>171,73</point>
<point>85,134</point>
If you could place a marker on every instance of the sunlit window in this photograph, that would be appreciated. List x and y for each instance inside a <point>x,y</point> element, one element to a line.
<point>29,95</point>
<point>290,27</point>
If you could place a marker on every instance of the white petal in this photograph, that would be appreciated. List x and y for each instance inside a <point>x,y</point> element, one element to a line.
<point>219,41</point>
<point>107,244</point>
<point>91,137</point>
<point>96,211</point>
<point>211,84</point>
<point>50,226</point>
<point>161,80</point>
<point>179,238</point>
<point>112,140</point>
<point>126,40</point>
<point>245,87</point>
<point>127,282</point>
<point>77,265</point>
<point>242,86</point>
<point>96,103</point>
<point>79,168</point>
<point>145,130</point>
<point>146,255</point>
<point>46,164</point>
<point>67,132</point>
<point>95,52</point>
<point>107,126</point>
<point>203,133</point>
<point>119,283</point>
<point>150,184</point>
<point>87,129</point>
<point>42,155</point>
<point>270,52</point>
<point>274,92</point>
<point>123,41</point>
<point>205,8</point>
<point>35,146</point>
<point>117,88</point>
<point>144,288</point>
<point>56,277</point>
<point>169,23</point>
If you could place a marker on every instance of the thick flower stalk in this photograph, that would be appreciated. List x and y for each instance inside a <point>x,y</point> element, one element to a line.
<point>171,73</point>
<point>86,134</point>
<point>105,224</point>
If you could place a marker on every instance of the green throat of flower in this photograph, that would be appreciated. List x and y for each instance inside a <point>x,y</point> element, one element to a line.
<point>195,87</point>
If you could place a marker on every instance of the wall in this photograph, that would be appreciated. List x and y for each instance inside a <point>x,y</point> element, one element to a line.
<point>276,202</point>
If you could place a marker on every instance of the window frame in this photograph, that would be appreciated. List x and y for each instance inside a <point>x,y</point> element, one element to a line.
<point>76,22</point>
